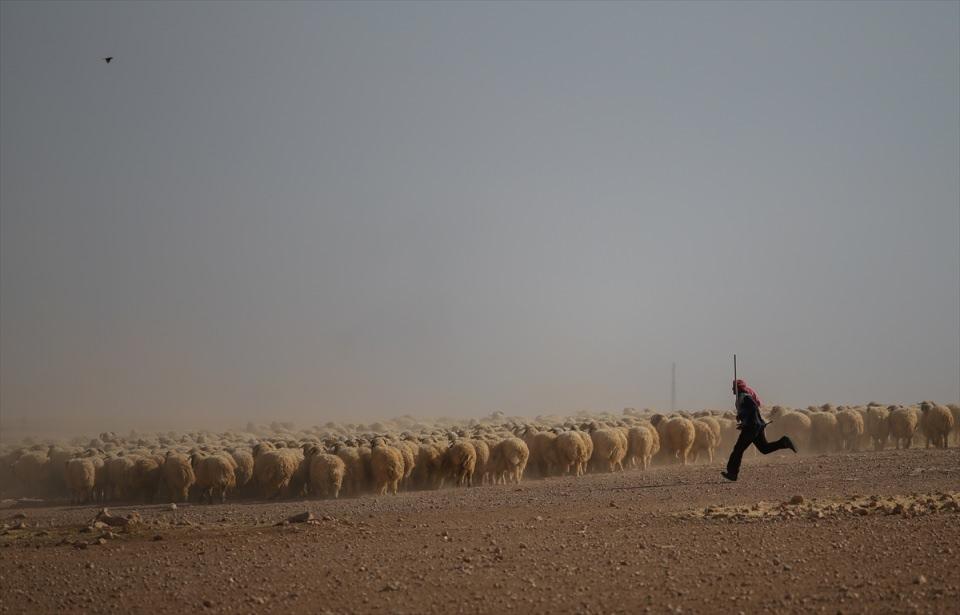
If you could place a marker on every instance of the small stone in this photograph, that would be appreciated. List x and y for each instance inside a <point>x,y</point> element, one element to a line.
<point>920,580</point>
<point>208,603</point>
<point>157,537</point>
<point>796,500</point>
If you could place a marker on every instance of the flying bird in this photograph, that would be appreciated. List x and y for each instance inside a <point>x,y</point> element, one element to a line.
<point>107,60</point>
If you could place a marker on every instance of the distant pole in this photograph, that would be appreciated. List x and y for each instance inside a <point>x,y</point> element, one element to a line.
<point>673,388</point>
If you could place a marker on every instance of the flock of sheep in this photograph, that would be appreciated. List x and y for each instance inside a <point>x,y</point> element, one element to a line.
<point>277,461</point>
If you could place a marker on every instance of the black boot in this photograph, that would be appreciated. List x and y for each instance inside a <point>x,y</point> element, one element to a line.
<point>790,444</point>
<point>729,477</point>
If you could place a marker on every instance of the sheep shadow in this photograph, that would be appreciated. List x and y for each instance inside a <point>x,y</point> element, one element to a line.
<point>666,486</point>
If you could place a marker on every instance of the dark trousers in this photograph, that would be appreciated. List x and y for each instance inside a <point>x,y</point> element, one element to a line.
<point>752,434</point>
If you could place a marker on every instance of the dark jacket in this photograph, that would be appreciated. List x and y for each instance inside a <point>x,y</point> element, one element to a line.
<point>748,412</point>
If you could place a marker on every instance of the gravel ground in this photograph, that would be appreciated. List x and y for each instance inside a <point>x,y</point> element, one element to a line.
<point>869,532</point>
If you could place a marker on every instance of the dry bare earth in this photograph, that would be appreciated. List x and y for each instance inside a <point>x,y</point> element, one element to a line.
<point>672,539</point>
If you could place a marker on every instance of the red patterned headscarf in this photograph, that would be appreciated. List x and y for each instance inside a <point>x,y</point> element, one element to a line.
<point>741,387</point>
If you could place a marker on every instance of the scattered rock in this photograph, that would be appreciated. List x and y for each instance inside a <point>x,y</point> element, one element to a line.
<point>104,517</point>
<point>796,500</point>
<point>300,518</point>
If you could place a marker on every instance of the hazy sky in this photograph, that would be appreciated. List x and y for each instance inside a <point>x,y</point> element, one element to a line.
<point>318,211</point>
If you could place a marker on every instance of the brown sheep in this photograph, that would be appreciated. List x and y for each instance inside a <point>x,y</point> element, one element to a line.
<point>353,479</point>
<point>460,462</point>
<point>216,475</point>
<point>274,469</point>
<point>178,476</point>
<point>387,465</point>
<point>937,423</point>
<point>676,436</point>
<point>483,459</point>
<point>609,448</point>
<point>32,471</point>
<point>428,468</point>
<point>243,461</point>
<point>903,424</point>
<point>706,437</point>
<point>509,459</point>
<point>824,435</point>
<point>325,473</point>
<point>850,429</point>
<point>955,411</point>
<point>786,422</point>
<point>643,443</point>
<point>409,451</point>
<point>878,426</point>
<point>119,473</point>
<point>543,454</point>
<point>728,431</point>
<point>587,445</point>
<point>81,475</point>
<point>571,453</point>
<point>146,477</point>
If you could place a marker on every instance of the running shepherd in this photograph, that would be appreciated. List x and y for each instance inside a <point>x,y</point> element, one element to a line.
<point>751,426</point>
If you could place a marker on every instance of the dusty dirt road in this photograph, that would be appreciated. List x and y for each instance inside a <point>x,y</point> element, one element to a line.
<point>672,539</point>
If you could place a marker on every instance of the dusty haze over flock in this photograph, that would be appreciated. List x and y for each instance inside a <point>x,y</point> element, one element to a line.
<point>318,212</point>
